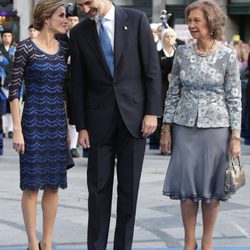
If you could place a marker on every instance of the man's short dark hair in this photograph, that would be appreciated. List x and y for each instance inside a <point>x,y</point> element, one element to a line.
<point>6,31</point>
<point>31,26</point>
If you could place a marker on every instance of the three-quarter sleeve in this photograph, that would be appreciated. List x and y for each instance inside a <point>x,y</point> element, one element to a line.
<point>233,92</point>
<point>17,73</point>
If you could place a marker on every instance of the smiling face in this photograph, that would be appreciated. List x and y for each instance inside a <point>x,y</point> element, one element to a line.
<point>94,9</point>
<point>197,24</point>
<point>58,21</point>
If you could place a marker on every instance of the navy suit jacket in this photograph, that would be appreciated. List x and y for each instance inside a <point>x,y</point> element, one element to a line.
<point>136,85</point>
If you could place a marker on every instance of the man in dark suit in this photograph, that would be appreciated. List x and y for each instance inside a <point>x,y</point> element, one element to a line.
<point>116,104</point>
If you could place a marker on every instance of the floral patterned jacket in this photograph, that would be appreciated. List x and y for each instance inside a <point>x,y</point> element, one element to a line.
<point>204,90</point>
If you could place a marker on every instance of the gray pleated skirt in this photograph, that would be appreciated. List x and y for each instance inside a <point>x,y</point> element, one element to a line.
<point>197,166</point>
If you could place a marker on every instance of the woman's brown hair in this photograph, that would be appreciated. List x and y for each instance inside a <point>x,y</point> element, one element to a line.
<point>215,16</point>
<point>43,10</point>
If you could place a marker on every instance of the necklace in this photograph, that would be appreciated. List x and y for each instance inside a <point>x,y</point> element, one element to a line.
<point>207,53</point>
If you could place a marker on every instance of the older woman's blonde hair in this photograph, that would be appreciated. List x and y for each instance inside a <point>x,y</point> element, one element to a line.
<point>43,10</point>
<point>215,16</point>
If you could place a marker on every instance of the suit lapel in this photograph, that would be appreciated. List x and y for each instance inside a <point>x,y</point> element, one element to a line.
<point>94,42</point>
<point>121,30</point>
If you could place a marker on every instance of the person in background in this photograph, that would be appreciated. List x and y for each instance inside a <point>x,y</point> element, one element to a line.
<point>116,93</point>
<point>33,33</point>
<point>166,57</point>
<point>159,29</point>
<point>1,123</point>
<point>153,27</point>
<point>7,50</point>
<point>246,102</point>
<point>3,101</point>
<point>203,105</point>
<point>40,134</point>
<point>73,19</point>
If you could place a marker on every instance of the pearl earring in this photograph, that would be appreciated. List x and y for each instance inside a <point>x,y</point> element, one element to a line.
<point>49,26</point>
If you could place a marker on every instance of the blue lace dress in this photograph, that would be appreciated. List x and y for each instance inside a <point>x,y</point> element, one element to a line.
<point>44,126</point>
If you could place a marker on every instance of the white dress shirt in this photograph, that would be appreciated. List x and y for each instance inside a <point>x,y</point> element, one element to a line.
<point>109,24</point>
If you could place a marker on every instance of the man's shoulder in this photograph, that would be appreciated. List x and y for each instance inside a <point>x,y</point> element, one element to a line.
<point>130,11</point>
<point>82,24</point>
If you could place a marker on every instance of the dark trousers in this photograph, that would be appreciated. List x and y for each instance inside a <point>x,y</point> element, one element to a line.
<point>127,153</point>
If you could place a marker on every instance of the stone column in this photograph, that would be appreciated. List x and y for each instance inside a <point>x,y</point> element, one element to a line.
<point>231,25</point>
<point>24,10</point>
<point>157,6</point>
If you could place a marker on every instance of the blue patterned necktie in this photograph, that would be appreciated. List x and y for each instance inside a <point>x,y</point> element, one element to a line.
<point>106,46</point>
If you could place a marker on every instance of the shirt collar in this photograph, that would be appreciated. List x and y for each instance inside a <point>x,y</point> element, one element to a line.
<point>111,13</point>
<point>110,16</point>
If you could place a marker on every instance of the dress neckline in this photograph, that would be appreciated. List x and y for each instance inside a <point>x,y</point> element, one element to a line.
<point>41,50</point>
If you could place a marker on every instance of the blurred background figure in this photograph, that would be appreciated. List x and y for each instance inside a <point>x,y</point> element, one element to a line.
<point>73,19</point>
<point>243,51</point>
<point>245,80</point>
<point>1,130</point>
<point>166,57</point>
<point>72,15</point>
<point>159,30</point>
<point>3,101</point>
<point>153,27</point>
<point>33,33</point>
<point>7,50</point>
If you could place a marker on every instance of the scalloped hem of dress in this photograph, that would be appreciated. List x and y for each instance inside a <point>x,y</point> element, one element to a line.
<point>54,188</point>
<point>197,199</point>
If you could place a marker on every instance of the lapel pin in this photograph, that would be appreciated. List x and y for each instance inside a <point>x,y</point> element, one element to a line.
<point>125,27</point>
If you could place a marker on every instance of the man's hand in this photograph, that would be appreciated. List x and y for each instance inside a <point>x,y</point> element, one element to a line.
<point>149,125</point>
<point>84,138</point>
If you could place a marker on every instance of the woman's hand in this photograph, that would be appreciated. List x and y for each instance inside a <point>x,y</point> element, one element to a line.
<point>234,148</point>
<point>18,141</point>
<point>165,142</point>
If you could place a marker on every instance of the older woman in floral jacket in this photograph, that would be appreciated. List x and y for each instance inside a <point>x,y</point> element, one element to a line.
<point>203,105</point>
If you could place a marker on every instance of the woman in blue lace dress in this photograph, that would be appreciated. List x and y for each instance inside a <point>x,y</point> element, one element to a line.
<point>40,135</point>
<point>204,106</point>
